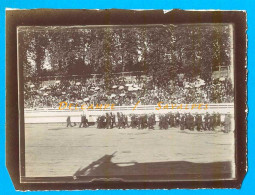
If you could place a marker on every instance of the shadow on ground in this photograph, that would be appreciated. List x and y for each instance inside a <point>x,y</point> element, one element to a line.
<point>170,170</point>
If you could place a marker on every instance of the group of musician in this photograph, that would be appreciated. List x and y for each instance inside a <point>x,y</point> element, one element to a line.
<point>109,121</point>
<point>197,121</point>
<point>190,121</point>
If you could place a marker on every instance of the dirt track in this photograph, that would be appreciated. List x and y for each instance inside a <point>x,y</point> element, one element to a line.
<point>54,150</point>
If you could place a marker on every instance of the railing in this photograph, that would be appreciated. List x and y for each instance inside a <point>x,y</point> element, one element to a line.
<point>54,115</point>
<point>139,107</point>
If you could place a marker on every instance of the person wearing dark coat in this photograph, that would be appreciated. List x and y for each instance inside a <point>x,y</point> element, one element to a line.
<point>190,122</point>
<point>133,121</point>
<point>144,121</point>
<point>186,121</point>
<point>160,122</point>
<point>218,119</point>
<point>123,121</point>
<point>119,120</point>
<point>151,122</point>
<point>85,121</point>
<point>177,119</point>
<point>126,121</point>
<point>98,122</point>
<point>102,121</point>
<point>165,122</point>
<point>199,122</point>
<point>227,123</point>
<point>140,121</point>
<point>211,122</point>
<point>82,121</point>
<point>154,119</point>
<point>113,122</point>
<point>68,121</point>
<point>207,122</point>
<point>108,121</point>
<point>171,120</point>
<point>182,122</point>
<point>214,120</point>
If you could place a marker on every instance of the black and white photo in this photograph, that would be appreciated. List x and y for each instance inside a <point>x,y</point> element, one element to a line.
<point>152,102</point>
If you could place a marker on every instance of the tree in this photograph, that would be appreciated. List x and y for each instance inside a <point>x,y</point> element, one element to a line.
<point>161,51</point>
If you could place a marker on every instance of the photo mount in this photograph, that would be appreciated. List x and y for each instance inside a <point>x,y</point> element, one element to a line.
<point>50,17</point>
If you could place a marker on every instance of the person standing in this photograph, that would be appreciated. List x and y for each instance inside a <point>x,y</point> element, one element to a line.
<point>103,121</point>
<point>85,121</point>
<point>132,124</point>
<point>126,121</point>
<point>165,122</point>
<point>68,121</point>
<point>186,125</point>
<point>160,122</point>
<point>108,121</point>
<point>212,122</point>
<point>199,122</point>
<point>191,122</point>
<point>177,119</point>
<point>113,122</point>
<point>218,119</point>
<point>98,122</point>
<point>227,123</point>
<point>145,121</point>
<point>82,121</point>
<point>119,120</point>
<point>206,122</point>
<point>150,122</point>
<point>171,120</point>
<point>140,118</point>
<point>154,119</point>
<point>182,122</point>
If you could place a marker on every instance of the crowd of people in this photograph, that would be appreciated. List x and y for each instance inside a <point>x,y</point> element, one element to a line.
<point>199,122</point>
<point>125,91</point>
<point>123,121</point>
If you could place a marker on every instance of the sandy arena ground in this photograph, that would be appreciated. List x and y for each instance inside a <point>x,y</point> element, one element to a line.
<point>53,150</point>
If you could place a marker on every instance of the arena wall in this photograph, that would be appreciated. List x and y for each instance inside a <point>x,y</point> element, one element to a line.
<point>54,115</point>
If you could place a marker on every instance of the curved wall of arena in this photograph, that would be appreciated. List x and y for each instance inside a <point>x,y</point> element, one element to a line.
<point>54,115</point>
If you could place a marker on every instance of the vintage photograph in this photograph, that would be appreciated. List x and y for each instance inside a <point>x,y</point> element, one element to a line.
<point>128,102</point>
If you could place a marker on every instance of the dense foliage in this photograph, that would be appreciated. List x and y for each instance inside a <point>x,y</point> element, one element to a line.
<point>162,51</point>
